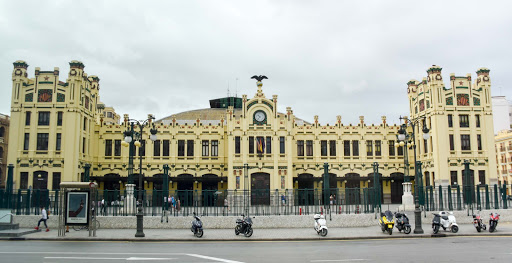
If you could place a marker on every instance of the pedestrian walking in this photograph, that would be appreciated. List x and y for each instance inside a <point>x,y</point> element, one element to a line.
<point>331,198</point>
<point>173,202</point>
<point>226,206</point>
<point>168,202</point>
<point>283,199</point>
<point>44,217</point>
<point>178,205</point>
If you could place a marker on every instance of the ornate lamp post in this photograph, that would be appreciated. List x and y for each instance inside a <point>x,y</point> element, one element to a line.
<point>405,137</point>
<point>133,138</point>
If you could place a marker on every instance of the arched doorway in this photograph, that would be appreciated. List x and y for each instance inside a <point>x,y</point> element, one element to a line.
<point>185,192</point>
<point>260,189</point>
<point>305,192</point>
<point>111,182</point>
<point>397,188</point>
<point>40,180</point>
<point>209,195</point>
<point>352,189</point>
<point>381,184</point>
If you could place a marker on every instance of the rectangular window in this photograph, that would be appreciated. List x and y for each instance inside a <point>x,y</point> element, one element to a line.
<point>464,121</point>
<point>281,145</point>
<point>453,176</point>
<point>251,145</point>
<point>477,117</point>
<point>190,147</point>
<point>300,148</point>
<point>465,142</point>
<point>369,148</point>
<point>24,180</point>
<point>27,118</point>
<point>425,146</point>
<point>323,148</point>
<point>400,151</point>
<point>237,144</point>
<point>479,141</point>
<point>206,148</point>
<point>391,148</point>
<point>452,143</point>
<point>355,148</point>
<point>378,148</point>
<point>83,145</point>
<point>156,148</point>
<point>165,148</point>
<point>56,181</point>
<point>142,148</point>
<point>269,145</point>
<point>85,123</point>
<point>44,118</point>
<point>181,147</point>
<point>346,148</point>
<point>58,142</point>
<point>481,176</point>
<point>117,148</point>
<point>332,148</point>
<point>450,120</point>
<point>26,141</point>
<point>309,148</point>
<point>108,147</point>
<point>42,142</point>
<point>59,118</point>
<point>215,148</point>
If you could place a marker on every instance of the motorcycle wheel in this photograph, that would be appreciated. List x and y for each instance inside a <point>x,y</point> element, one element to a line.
<point>455,229</point>
<point>382,228</point>
<point>390,231</point>
<point>478,228</point>
<point>436,229</point>
<point>248,233</point>
<point>407,230</point>
<point>323,232</point>
<point>484,227</point>
<point>199,233</point>
<point>237,230</point>
<point>491,227</point>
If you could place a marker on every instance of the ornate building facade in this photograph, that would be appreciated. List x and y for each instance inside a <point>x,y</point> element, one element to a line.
<point>63,126</point>
<point>4,139</point>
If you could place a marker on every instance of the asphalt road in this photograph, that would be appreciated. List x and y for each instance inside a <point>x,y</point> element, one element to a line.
<point>453,249</point>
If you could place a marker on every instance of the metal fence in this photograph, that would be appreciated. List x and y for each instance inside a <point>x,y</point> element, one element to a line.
<point>206,202</point>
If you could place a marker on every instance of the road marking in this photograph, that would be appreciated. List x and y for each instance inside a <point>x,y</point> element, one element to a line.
<point>128,259</point>
<point>338,260</point>
<point>212,258</point>
<point>89,253</point>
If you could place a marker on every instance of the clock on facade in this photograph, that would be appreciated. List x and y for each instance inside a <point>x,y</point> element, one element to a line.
<point>260,117</point>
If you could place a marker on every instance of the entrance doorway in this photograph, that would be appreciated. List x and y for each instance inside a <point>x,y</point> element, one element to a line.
<point>40,180</point>
<point>185,189</point>
<point>305,191</point>
<point>209,190</point>
<point>260,189</point>
<point>397,188</point>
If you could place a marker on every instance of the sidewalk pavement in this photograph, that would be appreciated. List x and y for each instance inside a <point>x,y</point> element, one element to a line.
<point>288,234</point>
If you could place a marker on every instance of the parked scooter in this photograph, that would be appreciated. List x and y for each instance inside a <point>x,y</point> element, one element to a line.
<point>197,226</point>
<point>387,222</point>
<point>493,222</point>
<point>402,222</point>
<point>479,223</point>
<point>244,226</point>
<point>320,225</point>
<point>446,220</point>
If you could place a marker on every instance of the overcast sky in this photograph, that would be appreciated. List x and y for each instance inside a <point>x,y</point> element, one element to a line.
<point>325,58</point>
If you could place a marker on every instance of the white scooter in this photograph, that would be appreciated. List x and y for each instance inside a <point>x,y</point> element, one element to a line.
<point>320,225</point>
<point>446,220</point>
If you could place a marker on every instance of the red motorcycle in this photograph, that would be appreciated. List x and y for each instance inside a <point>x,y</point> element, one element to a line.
<point>493,222</point>
<point>478,223</point>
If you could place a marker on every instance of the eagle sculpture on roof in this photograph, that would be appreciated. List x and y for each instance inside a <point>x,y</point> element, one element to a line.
<point>259,78</point>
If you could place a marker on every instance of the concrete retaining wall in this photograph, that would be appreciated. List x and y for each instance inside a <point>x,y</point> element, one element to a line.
<point>220,222</point>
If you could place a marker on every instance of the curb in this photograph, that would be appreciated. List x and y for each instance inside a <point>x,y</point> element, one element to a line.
<point>253,239</point>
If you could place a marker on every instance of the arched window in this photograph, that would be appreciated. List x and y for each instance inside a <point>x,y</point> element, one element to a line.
<point>1,152</point>
<point>2,131</point>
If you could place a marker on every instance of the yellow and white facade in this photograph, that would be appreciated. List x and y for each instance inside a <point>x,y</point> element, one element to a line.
<point>504,156</point>
<point>208,148</point>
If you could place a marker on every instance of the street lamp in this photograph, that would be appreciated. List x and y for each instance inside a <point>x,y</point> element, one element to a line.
<point>409,138</point>
<point>132,139</point>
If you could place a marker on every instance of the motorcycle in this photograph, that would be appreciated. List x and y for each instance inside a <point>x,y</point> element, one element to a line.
<point>197,226</point>
<point>446,220</point>
<point>493,222</point>
<point>479,223</point>
<point>387,222</point>
<point>320,225</point>
<point>402,222</point>
<point>244,226</point>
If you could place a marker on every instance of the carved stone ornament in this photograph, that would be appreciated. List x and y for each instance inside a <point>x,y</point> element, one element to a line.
<point>18,72</point>
<point>438,77</point>
<point>72,72</point>
<point>486,78</point>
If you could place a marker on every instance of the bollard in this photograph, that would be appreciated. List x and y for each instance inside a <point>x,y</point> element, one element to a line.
<point>300,211</point>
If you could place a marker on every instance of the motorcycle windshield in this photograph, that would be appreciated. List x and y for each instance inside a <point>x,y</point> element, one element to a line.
<point>389,215</point>
<point>248,220</point>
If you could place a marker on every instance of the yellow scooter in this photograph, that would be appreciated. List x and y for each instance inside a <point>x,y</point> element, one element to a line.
<point>387,222</point>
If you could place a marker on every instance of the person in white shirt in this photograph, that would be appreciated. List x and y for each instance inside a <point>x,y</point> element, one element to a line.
<point>44,217</point>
